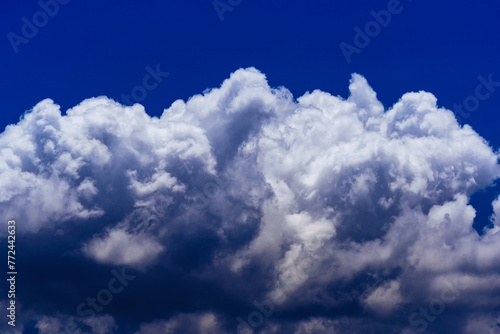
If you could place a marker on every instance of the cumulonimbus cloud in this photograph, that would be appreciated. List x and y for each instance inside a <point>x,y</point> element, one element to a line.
<point>335,203</point>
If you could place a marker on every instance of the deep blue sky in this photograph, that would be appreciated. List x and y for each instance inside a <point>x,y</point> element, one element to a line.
<point>92,48</point>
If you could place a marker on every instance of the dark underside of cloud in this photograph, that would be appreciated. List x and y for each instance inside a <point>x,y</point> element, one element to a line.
<point>244,209</point>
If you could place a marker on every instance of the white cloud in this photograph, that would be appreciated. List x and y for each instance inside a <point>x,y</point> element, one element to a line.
<point>54,167</point>
<point>384,299</point>
<point>332,197</point>
<point>119,247</point>
<point>483,324</point>
<point>104,324</point>
<point>202,323</point>
<point>496,215</point>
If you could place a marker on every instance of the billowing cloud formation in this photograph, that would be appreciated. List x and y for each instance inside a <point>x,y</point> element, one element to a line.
<point>185,323</point>
<point>331,215</point>
<point>96,325</point>
<point>120,247</point>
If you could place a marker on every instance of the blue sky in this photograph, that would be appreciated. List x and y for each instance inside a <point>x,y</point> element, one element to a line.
<point>93,48</point>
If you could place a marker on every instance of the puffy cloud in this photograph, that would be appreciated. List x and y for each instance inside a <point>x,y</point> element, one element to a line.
<point>204,323</point>
<point>57,168</point>
<point>104,324</point>
<point>323,203</point>
<point>483,324</point>
<point>119,247</point>
<point>384,299</point>
<point>496,214</point>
